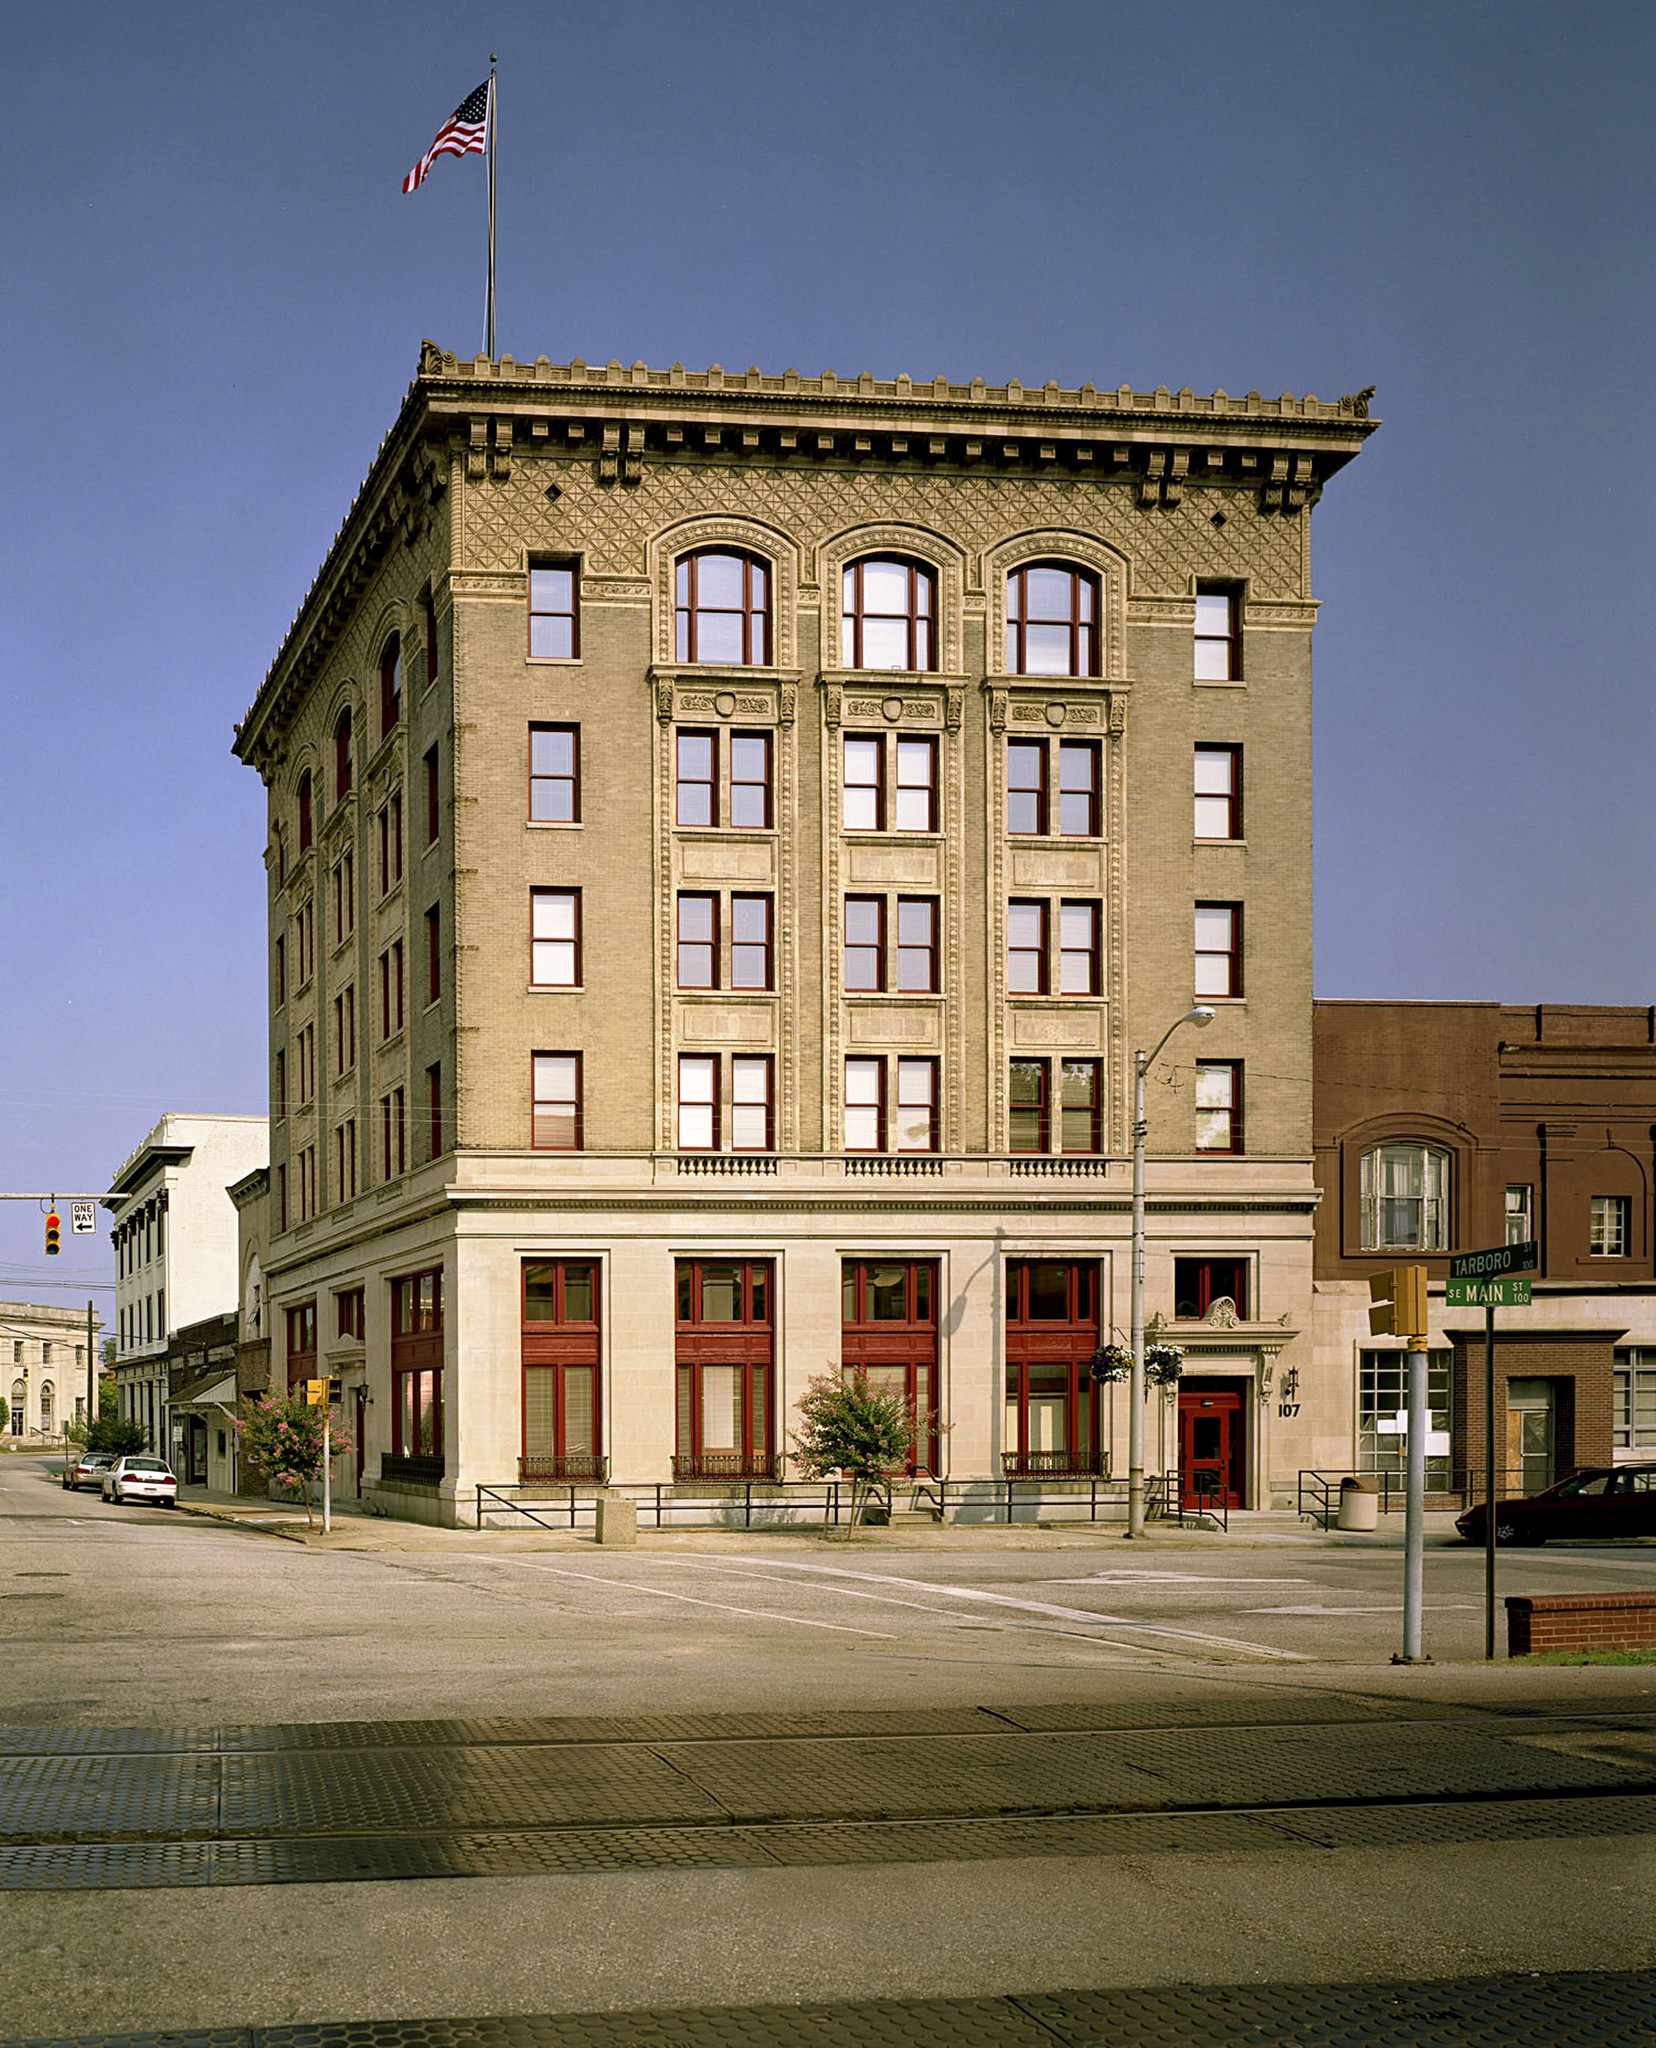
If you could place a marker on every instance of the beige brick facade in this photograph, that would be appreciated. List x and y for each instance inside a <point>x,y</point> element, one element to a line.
<point>494,466</point>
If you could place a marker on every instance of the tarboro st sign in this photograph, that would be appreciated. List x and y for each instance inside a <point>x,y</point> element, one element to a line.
<point>1491,1279</point>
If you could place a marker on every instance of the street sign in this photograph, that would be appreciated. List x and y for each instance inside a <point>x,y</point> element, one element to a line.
<point>83,1218</point>
<point>1508,1291</point>
<point>1504,1258</point>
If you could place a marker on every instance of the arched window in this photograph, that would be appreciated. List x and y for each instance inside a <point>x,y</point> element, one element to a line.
<point>1405,1194</point>
<point>722,608</point>
<point>889,618</point>
<point>19,1396</point>
<point>342,756</point>
<point>390,685</point>
<point>304,811</point>
<point>281,857</point>
<point>46,1424</point>
<point>1051,620</point>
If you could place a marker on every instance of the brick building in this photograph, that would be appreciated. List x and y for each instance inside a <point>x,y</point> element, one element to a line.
<point>727,834</point>
<point>1447,1127</point>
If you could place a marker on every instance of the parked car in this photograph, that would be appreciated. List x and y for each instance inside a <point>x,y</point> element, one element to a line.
<point>87,1470</point>
<point>1615,1500</point>
<point>137,1478</point>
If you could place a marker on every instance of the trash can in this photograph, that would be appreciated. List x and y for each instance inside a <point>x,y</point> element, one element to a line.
<point>1359,1504</point>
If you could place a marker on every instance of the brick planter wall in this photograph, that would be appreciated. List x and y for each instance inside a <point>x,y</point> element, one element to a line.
<point>1581,1621</point>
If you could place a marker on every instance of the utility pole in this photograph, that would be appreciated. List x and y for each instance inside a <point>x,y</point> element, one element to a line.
<point>1399,1310</point>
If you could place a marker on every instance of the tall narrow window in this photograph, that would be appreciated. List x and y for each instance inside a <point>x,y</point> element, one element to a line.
<point>698,1103</point>
<point>434,953</point>
<point>1052,1331</point>
<point>553,622</point>
<point>1611,1231</point>
<point>428,621</point>
<point>281,972</point>
<point>1026,786</point>
<point>1081,1108</point>
<point>555,941</point>
<point>280,1090</point>
<point>917,944</point>
<point>863,787</point>
<point>750,781</point>
<point>1078,807</point>
<point>1218,949</point>
<point>750,942</point>
<point>697,800</point>
<point>864,943</point>
<point>391,686</point>
<point>1218,792</point>
<point>555,1113</point>
<point>917,1121</point>
<point>1520,1212</point>
<point>1078,949</point>
<point>917,785</point>
<point>561,1371</point>
<point>724,1360</point>
<point>344,880</point>
<point>434,1106</point>
<point>345,1029</point>
<point>433,798</point>
<point>865,1105</point>
<point>1051,621</point>
<point>723,609</point>
<point>1219,1105</point>
<point>350,1314</point>
<point>345,1160</point>
<point>1026,934</point>
<point>555,774</point>
<point>752,1120</point>
<point>391,989</point>
<point>698,941</point>
<point>889,615</point>
<point>342,756</point>
<point>1218,643</point>
<point>305,812</point>
<point>1027,1119</point>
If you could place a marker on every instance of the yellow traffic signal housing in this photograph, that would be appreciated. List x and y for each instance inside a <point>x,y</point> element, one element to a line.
<point>54,1234</point>
<point>322,1393</point>
<point>1399,1299</point>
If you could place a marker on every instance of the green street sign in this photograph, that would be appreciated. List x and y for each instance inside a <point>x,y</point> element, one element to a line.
<point>1503,1258</point>
<point>1506,1292</point>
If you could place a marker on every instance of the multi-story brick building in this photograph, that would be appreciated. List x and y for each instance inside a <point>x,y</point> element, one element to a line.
<point>728,834</point>
<point>1450,1127</point>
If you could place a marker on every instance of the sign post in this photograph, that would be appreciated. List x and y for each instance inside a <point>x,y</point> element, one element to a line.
<point>1399,1310</point>
<point>323,1394</point>
<point>1487,1278</point>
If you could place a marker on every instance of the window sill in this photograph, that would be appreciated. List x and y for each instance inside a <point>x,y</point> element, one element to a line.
<point>553,660</point>
<point>1219,682</point>
<point>1199,841</point>
<point>557,988</point>
<point>726,995</point>
<point>553,825</point>
<point>1222,1002</point>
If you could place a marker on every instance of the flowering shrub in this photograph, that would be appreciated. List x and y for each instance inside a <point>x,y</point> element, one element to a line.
<point>848,1426</point>
<point>283,1440</point>
<point>1113,1363</point>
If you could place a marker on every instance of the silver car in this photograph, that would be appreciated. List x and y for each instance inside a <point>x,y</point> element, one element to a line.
<point>87,1470</point>
<point>141,1478</point>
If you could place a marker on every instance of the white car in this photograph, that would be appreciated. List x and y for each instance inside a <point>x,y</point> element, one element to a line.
<point>140,1478</point>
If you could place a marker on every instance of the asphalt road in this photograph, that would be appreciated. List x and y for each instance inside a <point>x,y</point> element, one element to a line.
<point>144,1619</point>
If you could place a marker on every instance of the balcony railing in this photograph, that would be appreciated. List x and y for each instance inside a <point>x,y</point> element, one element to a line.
<point>573,1465</point>
<point>736,1465</point>
<point>415,1470</point>
<point>1055,1465</point>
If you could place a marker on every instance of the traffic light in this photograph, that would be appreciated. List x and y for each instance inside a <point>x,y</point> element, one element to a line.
<point>54,1234</point>
<point>322,1393</point>
<point>1399,1299</point>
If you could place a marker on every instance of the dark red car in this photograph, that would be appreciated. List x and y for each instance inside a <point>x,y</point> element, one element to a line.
<point>1617,1500</point>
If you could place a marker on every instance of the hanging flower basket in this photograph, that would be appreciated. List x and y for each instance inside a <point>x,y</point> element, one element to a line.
<point>1162,1365</point>
<point>1111,1363</point>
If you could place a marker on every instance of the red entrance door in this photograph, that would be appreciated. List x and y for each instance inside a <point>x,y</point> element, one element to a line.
<point>1211,1446</point>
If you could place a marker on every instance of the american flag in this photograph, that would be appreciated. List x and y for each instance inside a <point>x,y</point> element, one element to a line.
<point>466,129</point>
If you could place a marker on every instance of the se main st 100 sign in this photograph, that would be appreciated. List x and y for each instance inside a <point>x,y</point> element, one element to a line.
<point>1491,1279</point>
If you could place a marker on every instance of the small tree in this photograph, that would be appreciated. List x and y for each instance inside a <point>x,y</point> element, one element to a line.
<point>850,1427</point>
<point>283,1440</point>
<point>106,1431</point>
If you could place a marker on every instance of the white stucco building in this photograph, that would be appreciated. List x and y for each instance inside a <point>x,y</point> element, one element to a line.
<point>42,1367</point>
<point>175,1246</point>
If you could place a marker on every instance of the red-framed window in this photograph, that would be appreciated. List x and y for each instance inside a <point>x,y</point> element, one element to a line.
<point>342,756</point>
<point>554,612</point>
<point>345,1030</point>
<point>434,808</point>
<point>724,1353</point>
<point>554,774</point>
<point>750,781</point>
<point>751,947</point>
<point>1218,949</point>
<point>391,686</point>
<point>698,1102</point>
<point>344,880</point>
<point>350,1314</point>
<point>301,1343</point>
<point>864,943</point>
<point>696,776</point>
<point>889,614</point>
<point>917,1106</point>
<point>555,938</point>
<point>1218,793</point>
<point>1199,1282</point>
<point>1051,620</point>
<point>1218,633</point>
<point>862,782</point>
<point>1219,1105</point>
<point>1051,1416</point>
<point>417,1367</point>
<point>1026,787</point>
<point>562,1370</point>
<point>428,620</point>
<point>917,955</point>
<point>391,843</point>
<point>555,1109</point>
<point>391,989</point>
<point>722,608</point>
<point>752,1103</point>
<point>888,1330</point>
<point>1081,1106</point>
<point>1026,946</point>
<point>697,950</point>
<point>916,797</point>
<point>345,1160</point>
<point>1078,789</point>
<point>865,1105</point>
<point>434,953</point>
<point>305,812</point>
<point>1029,1112</point>
<point>1078,962</point>
<point>394,1132</point>
<point>434,1106</point>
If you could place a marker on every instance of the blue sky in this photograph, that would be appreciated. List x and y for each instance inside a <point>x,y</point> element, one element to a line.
<point>215,290</point>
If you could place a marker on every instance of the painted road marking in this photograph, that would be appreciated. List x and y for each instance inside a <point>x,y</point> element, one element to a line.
<point>661,1592</point>
<point>1432,1606</point>
<point>1153,1579</point>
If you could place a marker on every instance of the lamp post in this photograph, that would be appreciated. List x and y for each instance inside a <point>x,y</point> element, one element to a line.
<point>1201,1017</point>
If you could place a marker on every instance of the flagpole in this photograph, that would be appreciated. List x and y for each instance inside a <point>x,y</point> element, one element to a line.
<point>489,322</point>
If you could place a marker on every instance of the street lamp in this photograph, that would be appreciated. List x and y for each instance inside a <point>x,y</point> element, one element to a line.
<point>1201,1017</point>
